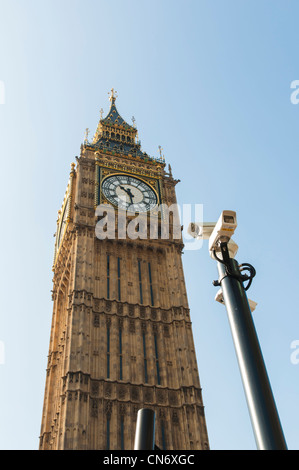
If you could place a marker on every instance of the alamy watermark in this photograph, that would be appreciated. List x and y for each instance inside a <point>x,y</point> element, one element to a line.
<point>295,94</point>
<point>295,354</point>
<point>164,223</point>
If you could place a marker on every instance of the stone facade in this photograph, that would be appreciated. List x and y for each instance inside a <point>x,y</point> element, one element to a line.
<point>121,336</point>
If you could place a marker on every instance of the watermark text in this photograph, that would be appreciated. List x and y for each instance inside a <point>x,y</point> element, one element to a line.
<point>295,354</point>
<point>295,94</point>
<point>163,223</point>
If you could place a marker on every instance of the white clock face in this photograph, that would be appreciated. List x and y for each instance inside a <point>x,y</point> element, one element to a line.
<point>129,193</point>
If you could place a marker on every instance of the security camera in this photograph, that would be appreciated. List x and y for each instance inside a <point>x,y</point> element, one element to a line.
<point>252,304</point>
<point>201,229</point>
<point>223,230</point>
<point>204,231</point>
<point>219,298</point>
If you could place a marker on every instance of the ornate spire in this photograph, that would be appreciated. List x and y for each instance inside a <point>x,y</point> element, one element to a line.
<point>115,135</point>
<point>113,122</point>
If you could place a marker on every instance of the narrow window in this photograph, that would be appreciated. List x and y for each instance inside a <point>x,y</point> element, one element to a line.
<point>163,436</point>
<point>150,283</point>
<point>122,429</point>
<point>120,356</point>
<point>108,433</point>
<point>157,360</point>
<point>140,282</point>
<point>108,352</point>
<point>144,358</point>
<point>118,278</point>
<point>108,277</point>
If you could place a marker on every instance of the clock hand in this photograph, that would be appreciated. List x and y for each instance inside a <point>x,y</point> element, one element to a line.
<point>126,191</point>
<point>130,194</point>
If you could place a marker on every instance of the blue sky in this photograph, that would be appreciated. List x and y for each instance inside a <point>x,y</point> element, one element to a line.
<point>209,81</point>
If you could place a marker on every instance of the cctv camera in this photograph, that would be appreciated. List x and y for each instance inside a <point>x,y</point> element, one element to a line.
<point>223,230</point>
<point>204,231</point>
<point>219,298</point>
<point>201,229</point>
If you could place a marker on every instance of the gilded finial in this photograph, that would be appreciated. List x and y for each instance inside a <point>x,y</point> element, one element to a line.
<point>101,113</point>
<point>113,95</point>
<point>161,156</point>
<point>86,135</point>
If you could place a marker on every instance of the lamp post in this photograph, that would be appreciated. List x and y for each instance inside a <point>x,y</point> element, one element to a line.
<point>261,404</point>
<point>145,430</point>
<point>260,401</point>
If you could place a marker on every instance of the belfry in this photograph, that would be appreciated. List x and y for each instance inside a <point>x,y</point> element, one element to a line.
<point>121,336</point>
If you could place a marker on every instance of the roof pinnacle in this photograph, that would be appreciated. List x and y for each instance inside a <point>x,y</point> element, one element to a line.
<point>113,95</point>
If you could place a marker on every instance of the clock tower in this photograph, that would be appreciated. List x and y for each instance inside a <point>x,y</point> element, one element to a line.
<point>121,336</point>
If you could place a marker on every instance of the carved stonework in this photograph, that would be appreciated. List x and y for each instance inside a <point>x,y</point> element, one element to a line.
<point>161,396</point>
<point>132,326</point>
<point>121,335</point>
<point>94,388</point>
<point>122,409</point>
<point>173,398</point>
<point>94,408</point>
<point>96,320</point>
<point>134,393</point>
<point>120,309</point>
<point>175,418</point>
<point>108,409</point>
<point>122,392</point>
<point>148,395</point>
<point>107,390</point>
<point>142,312</point>
<point>153,314</point>
<point>131,310</point>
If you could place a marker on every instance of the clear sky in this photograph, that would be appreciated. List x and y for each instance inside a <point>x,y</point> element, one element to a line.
<point>209,81</point>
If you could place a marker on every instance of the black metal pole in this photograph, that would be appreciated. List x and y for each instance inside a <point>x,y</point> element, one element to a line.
<point>145,430</point>
<point>263,412</point>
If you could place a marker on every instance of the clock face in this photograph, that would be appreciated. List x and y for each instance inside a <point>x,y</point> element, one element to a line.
<point>129,193</point>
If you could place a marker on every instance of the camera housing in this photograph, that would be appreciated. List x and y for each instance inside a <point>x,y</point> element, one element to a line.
<point>219,298</point>
<point>204,231</point>
<point>223,230</point>
<point>201,229</point>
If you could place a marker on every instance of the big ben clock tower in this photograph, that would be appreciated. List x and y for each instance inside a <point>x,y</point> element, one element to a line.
<point>121,336</point>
